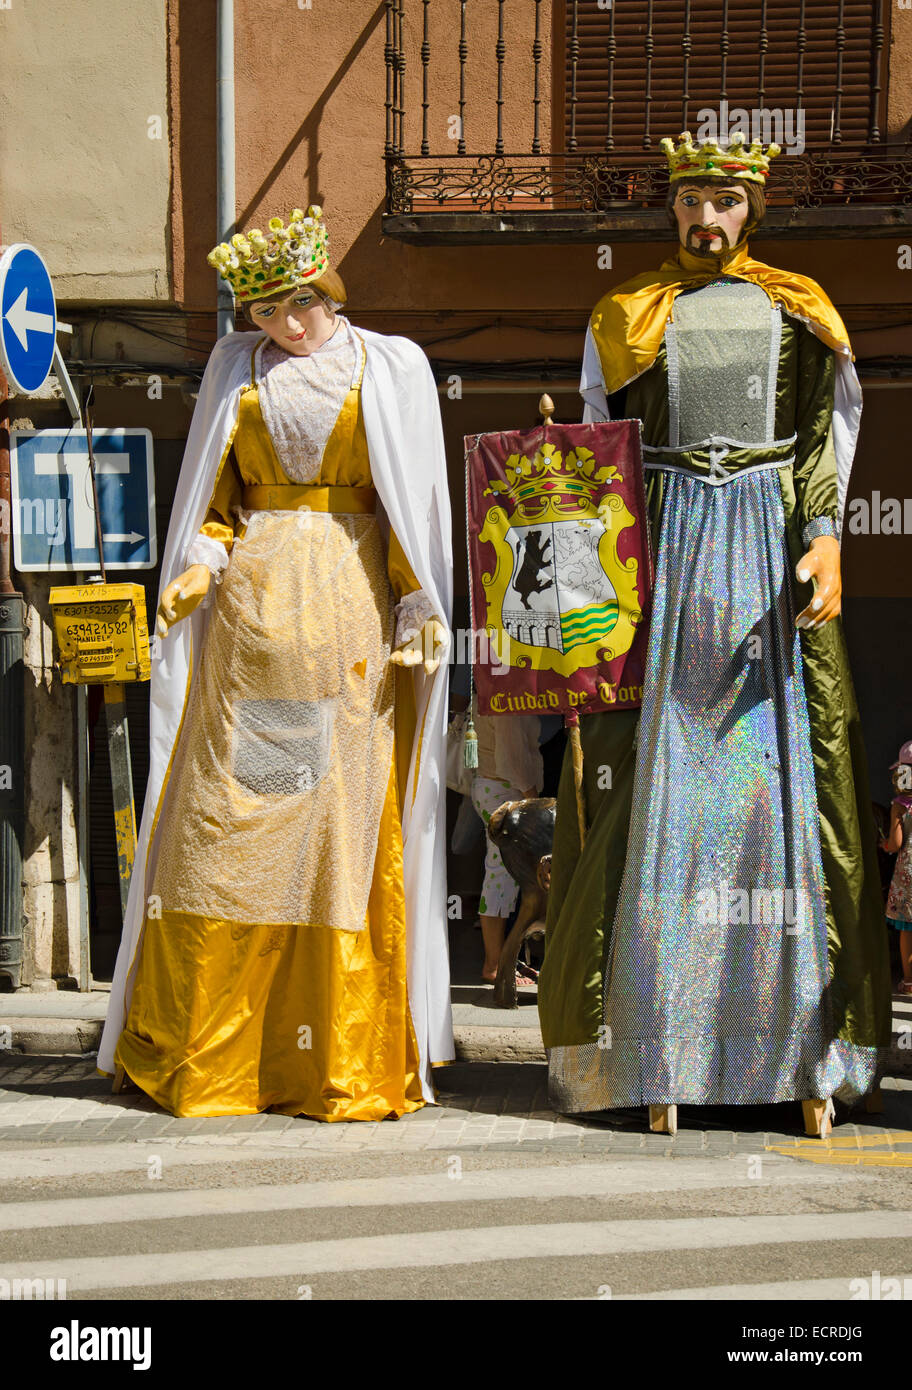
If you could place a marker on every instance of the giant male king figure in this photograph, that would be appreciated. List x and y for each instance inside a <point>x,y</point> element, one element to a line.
<point>719,937</point>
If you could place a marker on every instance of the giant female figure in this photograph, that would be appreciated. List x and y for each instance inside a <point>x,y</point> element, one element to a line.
<point>285,943</point>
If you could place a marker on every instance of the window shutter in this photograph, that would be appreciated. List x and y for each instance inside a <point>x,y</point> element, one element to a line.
<point>824,56</point>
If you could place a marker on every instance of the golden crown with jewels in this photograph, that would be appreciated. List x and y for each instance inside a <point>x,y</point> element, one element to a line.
<point>551,485</point>
<point>256,265</point>
<point>709,159</point>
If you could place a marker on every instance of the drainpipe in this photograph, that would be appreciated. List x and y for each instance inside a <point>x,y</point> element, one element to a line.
<point>12,723</point>
<point>224,134</point>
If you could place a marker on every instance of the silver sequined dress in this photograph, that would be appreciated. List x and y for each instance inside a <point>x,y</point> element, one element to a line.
<point>716,987</point>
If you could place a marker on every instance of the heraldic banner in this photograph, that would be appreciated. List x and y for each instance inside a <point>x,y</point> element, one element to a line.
<point>560,567</point>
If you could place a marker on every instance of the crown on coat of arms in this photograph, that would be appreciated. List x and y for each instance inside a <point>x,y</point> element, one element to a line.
<point>255,264</point>
<point>709,159</point>
<point>552,484</point>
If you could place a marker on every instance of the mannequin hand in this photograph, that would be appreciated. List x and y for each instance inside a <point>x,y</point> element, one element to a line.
<point>822,562</point>
<point>181,596</point>
<point>424,644</point>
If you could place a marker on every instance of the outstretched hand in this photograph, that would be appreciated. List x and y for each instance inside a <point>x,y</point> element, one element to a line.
<point>821,563</point>
<point>430,644</point>
<point>181,596</point>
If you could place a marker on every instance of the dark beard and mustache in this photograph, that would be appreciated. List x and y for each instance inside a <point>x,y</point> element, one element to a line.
<point>702,248</point>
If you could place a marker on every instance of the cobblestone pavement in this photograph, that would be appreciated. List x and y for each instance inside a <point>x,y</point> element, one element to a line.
<point>490,1105</point>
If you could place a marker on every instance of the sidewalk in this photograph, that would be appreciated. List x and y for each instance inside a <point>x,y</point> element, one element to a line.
<point>62,1022</point>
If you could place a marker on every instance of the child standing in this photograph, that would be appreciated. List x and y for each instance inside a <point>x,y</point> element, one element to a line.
<point>898,841</point>
<point>509,769</point>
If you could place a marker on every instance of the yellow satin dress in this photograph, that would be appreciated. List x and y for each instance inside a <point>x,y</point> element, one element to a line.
<point>241,1002</point>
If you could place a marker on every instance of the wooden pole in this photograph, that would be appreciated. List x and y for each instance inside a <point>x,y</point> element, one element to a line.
<point>571,722</point>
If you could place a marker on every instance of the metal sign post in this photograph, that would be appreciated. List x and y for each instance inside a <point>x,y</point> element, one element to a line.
<point>103,639</point>
<point>28,325</point>
<point>115,718</point>
<point>121,786</point>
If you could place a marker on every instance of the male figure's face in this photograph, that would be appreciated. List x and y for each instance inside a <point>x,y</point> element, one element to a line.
<point>710,215</point>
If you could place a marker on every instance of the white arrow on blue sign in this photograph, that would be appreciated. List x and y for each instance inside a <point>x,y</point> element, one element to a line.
<point>53,513</point>
<point>28,318</point>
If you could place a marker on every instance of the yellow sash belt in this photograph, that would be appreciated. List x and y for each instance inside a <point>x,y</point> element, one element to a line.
<point>292,497</point>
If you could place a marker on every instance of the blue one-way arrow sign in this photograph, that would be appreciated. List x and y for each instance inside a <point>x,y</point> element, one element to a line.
<point>53,514</point>
<point>28,318</point>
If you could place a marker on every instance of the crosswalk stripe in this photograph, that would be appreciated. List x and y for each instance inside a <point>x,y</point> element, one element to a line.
<point>582,1180</point>
<point>125,1156</point>
<point>479,1245</point>
<point>801,1289</point>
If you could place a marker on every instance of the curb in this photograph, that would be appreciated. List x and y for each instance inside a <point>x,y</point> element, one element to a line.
<point>54,1037</point>
<point>49,1036</point>
<point>498,1045</point>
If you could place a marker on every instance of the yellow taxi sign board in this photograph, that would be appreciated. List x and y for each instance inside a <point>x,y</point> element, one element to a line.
<point>102,633</point>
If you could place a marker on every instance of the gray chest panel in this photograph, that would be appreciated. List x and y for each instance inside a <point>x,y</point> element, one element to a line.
<point>723,358</point>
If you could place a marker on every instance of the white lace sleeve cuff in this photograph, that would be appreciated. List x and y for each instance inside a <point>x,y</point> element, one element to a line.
<point>412,612</point>
<point>211,553</point>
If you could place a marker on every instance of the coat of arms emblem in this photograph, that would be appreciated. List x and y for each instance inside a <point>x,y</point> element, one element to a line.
<point>560,566</point>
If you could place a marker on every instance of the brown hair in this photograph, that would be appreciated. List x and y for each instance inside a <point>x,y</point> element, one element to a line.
<point>329,286</point>
<point>756,200</point>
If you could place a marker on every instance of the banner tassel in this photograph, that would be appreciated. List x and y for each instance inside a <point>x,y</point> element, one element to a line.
<point>470,745</point>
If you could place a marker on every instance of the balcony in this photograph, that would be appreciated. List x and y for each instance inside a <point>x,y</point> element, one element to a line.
<point>583,90</point>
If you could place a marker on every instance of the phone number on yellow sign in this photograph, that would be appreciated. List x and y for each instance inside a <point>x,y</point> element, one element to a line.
<point>95,631</point>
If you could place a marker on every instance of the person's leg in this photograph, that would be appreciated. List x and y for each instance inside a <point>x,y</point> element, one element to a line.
<point>499,890</point>
<point>905,955</point>
<point>492,931</point>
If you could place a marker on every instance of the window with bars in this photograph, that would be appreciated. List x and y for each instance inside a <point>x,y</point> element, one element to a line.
<point>636,70</point>
<point>527,118</point>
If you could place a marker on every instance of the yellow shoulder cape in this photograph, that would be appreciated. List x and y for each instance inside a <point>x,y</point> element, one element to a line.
<point>628,323</point>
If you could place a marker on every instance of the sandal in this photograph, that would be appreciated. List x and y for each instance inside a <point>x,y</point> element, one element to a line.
<point>526,978</point>
<point>904,987</point>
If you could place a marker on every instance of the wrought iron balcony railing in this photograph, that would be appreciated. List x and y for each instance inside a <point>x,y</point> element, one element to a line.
<point>584,89</point>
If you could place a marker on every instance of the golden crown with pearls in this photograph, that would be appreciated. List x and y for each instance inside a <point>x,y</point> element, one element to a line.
<point>709,159</point>
<point>256,265</point>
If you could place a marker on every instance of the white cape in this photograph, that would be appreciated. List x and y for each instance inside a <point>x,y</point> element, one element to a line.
<point>408,465</point>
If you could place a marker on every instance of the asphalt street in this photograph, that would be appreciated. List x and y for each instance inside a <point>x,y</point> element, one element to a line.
<point>487,1195</point>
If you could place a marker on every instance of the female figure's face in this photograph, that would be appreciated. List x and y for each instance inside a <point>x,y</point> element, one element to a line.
<point>710,216</point>
<point>299,323</point>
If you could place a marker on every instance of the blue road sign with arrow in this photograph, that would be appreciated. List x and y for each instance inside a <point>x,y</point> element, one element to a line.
<point>28,318</point>
<point>53,514</point>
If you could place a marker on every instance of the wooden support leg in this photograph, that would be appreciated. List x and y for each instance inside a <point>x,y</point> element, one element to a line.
<point>663,1119</point>
<point>121,1081</point>
<point>818,1117</point>
<point>874,1102</point>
